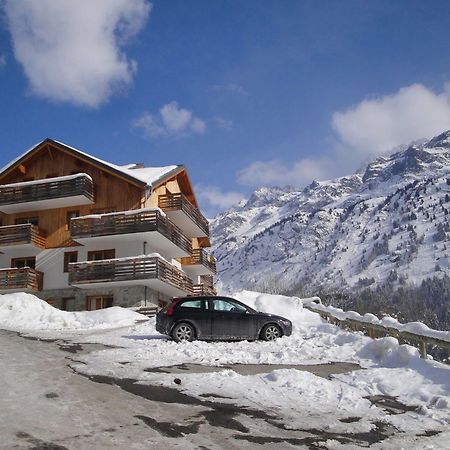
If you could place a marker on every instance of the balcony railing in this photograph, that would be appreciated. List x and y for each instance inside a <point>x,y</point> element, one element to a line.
<point>28,233</point>
<point>139,221</point>
<point>178,202</point>
<point>43,194</point>
<point>24,279</point>
<point>200,257</point>
<point>129,269</point>
<point>206,286</point>
<point>201,289</point>
<point>207,280</point>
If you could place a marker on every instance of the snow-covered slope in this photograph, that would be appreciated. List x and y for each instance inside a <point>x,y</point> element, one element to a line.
<point>384,225</point>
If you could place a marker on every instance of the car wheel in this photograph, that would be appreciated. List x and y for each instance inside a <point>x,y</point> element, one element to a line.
<point>183,332</point>
<point>270,332</point>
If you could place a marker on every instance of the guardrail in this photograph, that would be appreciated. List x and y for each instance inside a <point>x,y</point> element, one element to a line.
<point>375,330</point>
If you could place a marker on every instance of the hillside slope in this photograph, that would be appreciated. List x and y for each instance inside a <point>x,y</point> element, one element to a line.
<point>387,225</point>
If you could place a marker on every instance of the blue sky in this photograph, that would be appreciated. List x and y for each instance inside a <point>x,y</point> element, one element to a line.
<point>244,93</point>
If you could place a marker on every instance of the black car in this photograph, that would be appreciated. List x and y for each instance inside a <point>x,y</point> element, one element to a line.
<point>221,318</point>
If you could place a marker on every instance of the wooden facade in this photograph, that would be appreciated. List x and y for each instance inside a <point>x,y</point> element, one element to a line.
<point>105,189</point>
<point>111,192</point>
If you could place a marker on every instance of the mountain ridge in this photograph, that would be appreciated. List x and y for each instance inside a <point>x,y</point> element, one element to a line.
<point>381,226</point>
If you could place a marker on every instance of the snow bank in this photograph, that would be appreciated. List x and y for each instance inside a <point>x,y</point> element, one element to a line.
<point>289,307</point>
<point>26,312</point>
<point>388,352</point>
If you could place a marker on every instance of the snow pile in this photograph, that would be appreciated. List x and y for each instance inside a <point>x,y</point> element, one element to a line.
<point>26,312</point>
<point>289,307</point>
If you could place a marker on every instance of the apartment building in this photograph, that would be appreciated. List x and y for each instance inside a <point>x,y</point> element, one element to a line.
<point>83,233</point>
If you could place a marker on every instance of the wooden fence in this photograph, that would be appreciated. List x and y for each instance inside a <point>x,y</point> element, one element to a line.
<point>422,342</point>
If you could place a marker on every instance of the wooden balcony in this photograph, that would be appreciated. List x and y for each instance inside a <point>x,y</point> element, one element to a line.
<point>49,193</point>
<point>148,225</point>
<point>201,289</point>
<point>206,286</point>
<point>184,214</point>
<point>20,280</point>
<point>26,236</point>
<point>200,263</point>
<point>151,271</point>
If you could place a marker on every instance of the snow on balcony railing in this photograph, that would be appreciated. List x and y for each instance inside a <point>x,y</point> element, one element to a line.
<point>415,333</point>
<point>48,188</point>
<point>174,202</point>
<point>129,268</point>
<point>127,222</point>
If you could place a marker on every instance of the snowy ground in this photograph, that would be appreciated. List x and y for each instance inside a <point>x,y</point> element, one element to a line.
<point>396,401</point>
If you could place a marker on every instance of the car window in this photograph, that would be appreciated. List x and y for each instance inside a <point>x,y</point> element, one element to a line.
<point>192,304</point>
<point>227,305</point>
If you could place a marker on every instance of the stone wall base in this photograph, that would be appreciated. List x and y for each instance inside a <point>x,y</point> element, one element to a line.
<point>127,296</point>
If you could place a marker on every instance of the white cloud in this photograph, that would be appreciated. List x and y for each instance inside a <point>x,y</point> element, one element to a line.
<point>377,125</point>
<point>215,199</point>
<point>223,123</point>
<point>365,130</point>
<point>2,61</point>
<point>72,51</point>
<point>277,173</point>
<point>171,120</point>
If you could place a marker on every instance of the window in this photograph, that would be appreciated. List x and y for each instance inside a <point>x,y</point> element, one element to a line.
<point>23,220</point>
<point>193,304</point>
<point>227,305</point>
<point>69,257</point>
<point>71,215</point>
<point>28,261</point>
<point>99,302</point>
<point>97,255</point>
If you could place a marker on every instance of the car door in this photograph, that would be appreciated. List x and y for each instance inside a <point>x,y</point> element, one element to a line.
<point>230,319</point>
<point>196,312</point>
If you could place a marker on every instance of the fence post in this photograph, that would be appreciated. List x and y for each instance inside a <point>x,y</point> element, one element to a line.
<point>423,349</point>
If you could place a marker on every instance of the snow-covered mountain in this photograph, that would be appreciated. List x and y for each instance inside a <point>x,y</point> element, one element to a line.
<point>388,224</point>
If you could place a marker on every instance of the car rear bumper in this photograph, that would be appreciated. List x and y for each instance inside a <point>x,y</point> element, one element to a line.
<point>162,325</point>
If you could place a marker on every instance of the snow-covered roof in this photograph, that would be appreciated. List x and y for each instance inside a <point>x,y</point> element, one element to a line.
<point>147,175</point>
